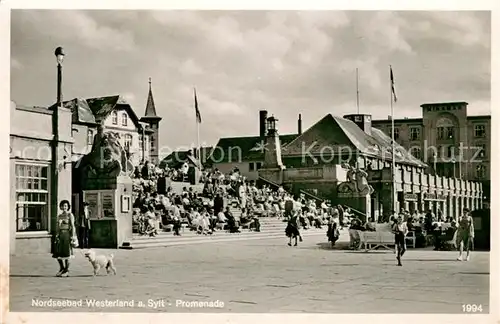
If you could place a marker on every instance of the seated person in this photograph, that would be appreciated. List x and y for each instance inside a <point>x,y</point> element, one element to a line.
<point>443,237</point>
<point>370,225</point>
<point>231,221</point>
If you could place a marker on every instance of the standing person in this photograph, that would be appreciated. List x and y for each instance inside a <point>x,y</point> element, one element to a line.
<point>465,234</point>
<point>65,238</point>
<point>341,215</point>
<point>292,229</point>
<point>400,230</point>
<point>84,226</point>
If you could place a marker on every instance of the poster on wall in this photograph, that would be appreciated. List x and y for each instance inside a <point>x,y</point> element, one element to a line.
<point>107,202</point>
<point>92,200</point>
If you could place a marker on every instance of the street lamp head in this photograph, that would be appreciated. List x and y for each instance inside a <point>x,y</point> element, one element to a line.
<point>59,54</point>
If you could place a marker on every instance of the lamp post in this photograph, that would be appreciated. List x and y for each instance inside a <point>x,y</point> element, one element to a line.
<point>59,53</point>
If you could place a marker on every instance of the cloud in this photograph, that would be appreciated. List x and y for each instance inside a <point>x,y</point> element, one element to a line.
<point>286,62</point>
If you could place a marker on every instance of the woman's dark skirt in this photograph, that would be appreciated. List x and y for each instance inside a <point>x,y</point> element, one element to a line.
<point>292,231</point>
<point>62,248</point>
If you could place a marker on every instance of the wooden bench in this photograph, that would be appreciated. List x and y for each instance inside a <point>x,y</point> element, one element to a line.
<point>373,240</point>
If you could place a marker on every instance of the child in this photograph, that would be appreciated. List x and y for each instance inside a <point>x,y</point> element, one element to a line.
<point>292,229</point>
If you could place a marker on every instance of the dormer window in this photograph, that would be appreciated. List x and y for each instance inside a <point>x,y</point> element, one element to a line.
<point>114,118</point>
<point>124,119</point>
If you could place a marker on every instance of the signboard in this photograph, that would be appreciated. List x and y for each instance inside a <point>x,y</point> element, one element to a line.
<point>433,196</point>
<point>92,200</point>
<point>101,203</point>
<point>107,201</point>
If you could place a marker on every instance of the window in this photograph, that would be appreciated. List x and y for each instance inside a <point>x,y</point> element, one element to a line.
<point>141,143</point>
<point>479,131</point>
<point>124,119</point>
<point>114,118</point>
<point>416,152</point>
<point>450,133</point>
<point>259,165</point>
<point>252,166</point>
<point>128,141</point>
<point>480,171</point>
<point>90,137</point>
<point>396,133</point>
<point>414,134</point>
<point>32,212</point>
<point>440,133</point>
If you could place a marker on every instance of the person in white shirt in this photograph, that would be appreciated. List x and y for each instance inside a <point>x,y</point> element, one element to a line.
<point>400,230</point>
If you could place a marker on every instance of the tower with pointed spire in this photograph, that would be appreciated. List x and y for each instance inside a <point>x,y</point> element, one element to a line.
<point>153,121</point>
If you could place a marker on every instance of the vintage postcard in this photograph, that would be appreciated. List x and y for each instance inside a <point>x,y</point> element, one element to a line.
<point>229,162</point>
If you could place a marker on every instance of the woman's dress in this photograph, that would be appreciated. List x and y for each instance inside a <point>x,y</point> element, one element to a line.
<point>64,234</point>
<point>465,230</point>
<point>292,229</point>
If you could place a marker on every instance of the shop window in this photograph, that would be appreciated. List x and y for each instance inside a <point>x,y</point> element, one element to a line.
<point>32,213</point>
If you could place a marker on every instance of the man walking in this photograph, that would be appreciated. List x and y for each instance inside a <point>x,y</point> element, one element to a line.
<point>400,231</point>
<point>84,226</point>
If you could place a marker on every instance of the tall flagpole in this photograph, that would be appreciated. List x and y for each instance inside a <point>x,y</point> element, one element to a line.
<point>393,173</point>
<point>198,151</point>
<point>357,90</point>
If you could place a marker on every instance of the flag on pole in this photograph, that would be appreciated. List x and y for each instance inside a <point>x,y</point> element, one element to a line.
<point>198,115</point>
<point>392,86</point>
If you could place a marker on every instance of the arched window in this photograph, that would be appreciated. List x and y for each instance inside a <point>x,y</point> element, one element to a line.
<point>124,119</point>
<point>114,118</point>
<point>445,129</point>
<point>416,152</point>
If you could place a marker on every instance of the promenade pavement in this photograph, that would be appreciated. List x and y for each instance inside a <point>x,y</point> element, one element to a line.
<point>259,276</point>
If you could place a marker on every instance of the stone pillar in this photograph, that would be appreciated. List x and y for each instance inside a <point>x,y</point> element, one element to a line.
<point>445,208</point>
<point>451,211</point>
<point>456,207</point>
<point>406,205</point>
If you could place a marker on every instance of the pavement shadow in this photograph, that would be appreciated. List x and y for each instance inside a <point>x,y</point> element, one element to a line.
<point>45,276</point>
<point>328,246</point>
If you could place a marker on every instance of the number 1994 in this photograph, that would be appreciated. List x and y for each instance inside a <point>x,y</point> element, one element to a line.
<point>472,308</point>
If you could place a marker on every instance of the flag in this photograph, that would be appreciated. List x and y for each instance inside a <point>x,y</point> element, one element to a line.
<point>198,115</point>
<point>392,86</point>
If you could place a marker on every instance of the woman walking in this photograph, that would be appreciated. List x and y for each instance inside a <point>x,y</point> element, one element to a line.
<point>65,238</point>
<point>465,234</point>
<point>292,229</point>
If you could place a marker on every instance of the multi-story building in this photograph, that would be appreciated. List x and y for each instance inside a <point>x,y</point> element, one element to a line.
<point>139,136</point>
<point>32,216</point>
<point>450,142</point>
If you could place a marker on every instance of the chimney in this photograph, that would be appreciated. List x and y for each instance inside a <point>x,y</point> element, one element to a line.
<point>363,121</point>
<point>262,123</point>
<point>299,125</point>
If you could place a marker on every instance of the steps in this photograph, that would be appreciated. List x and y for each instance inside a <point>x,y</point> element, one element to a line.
<point>270,228</point>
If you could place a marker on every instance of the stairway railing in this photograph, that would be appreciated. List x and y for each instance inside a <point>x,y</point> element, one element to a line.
<point>274,184</point>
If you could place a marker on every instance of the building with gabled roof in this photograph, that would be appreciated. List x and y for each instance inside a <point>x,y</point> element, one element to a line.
<point>245,152</point>
<point>316,162</point>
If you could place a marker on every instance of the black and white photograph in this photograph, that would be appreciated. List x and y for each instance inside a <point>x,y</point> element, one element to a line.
<point>250,161</point>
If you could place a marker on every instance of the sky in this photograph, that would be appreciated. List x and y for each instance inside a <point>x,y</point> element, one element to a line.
<point>285,62</point>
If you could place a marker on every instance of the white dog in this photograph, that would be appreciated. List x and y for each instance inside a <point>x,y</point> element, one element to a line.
<point>101,261</point>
